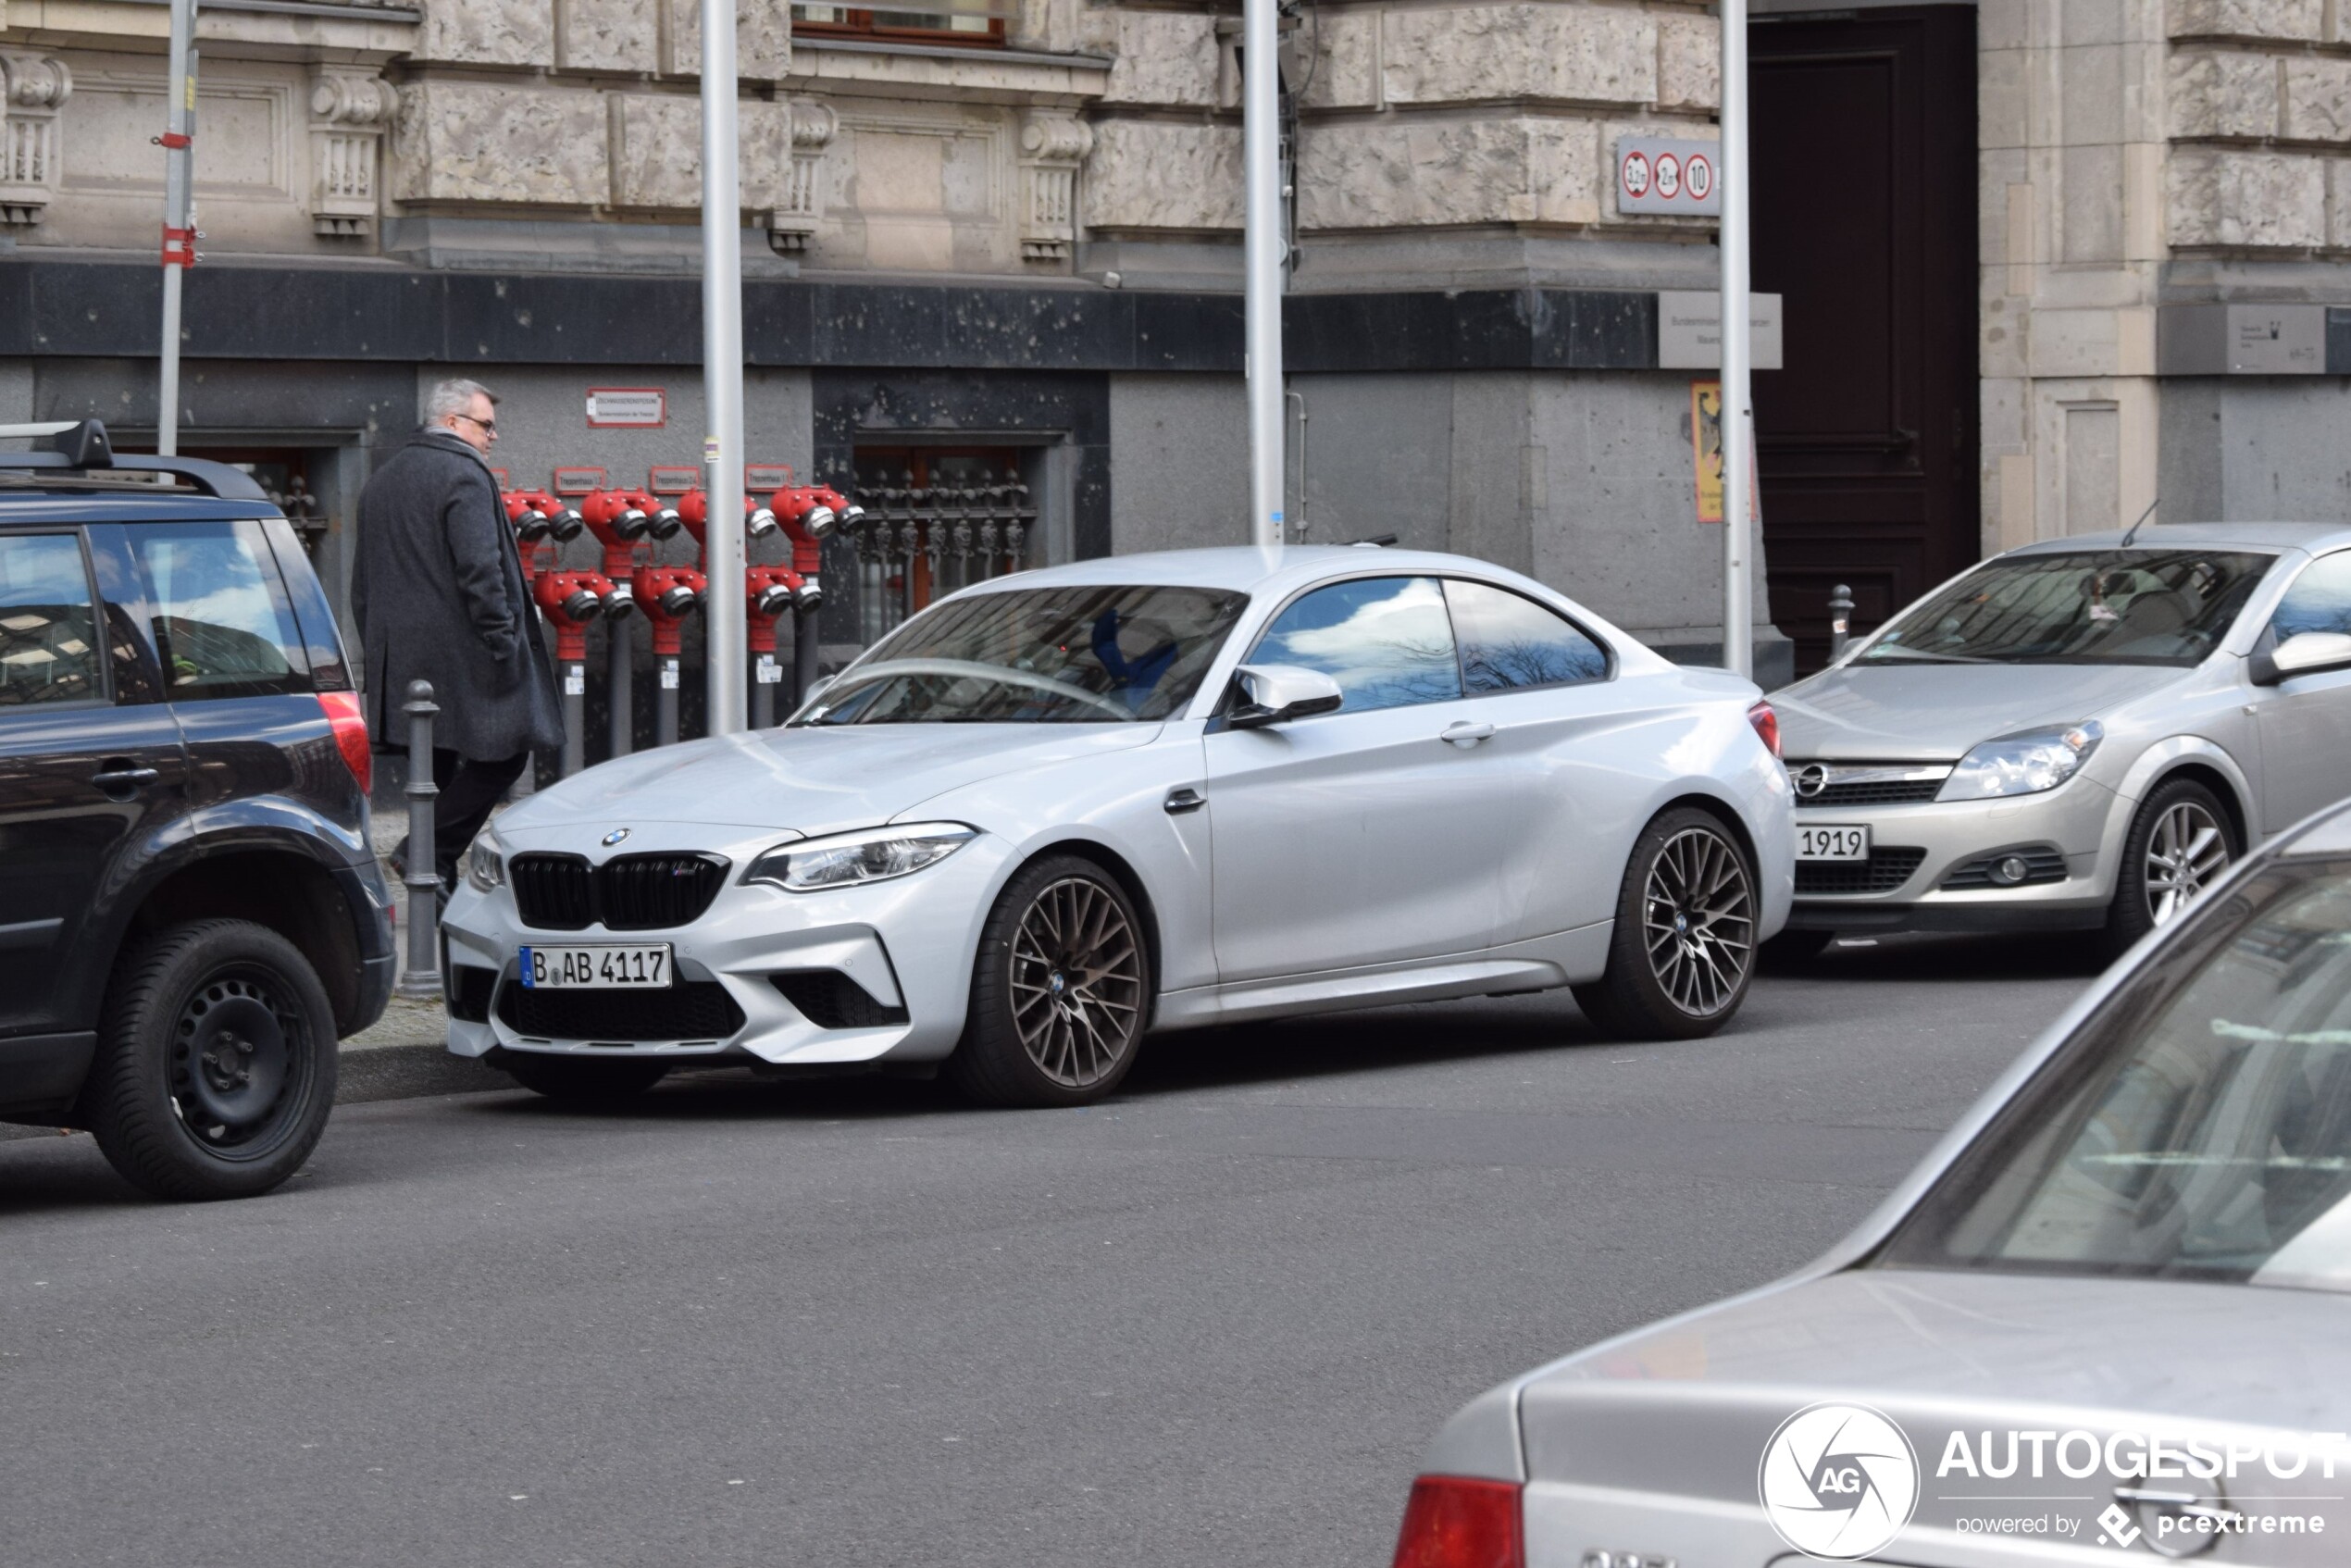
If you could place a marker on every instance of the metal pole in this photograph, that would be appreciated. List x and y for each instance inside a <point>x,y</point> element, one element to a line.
<point>1262,240</point>
<point>807,652</point>
<point>724,632</point>
<point>575,718</point>
<point>1739,411</point>
<point>665,702</point>
<point>422,977</point>
<point>179,213</point>
<point>1840,620</point>
<point>620,675</point>
<point>762,704</point>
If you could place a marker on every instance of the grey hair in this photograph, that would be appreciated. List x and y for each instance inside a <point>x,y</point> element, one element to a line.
<point>454,397</point>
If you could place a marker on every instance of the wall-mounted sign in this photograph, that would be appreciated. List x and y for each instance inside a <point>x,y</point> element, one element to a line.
<point>500,474</point>
<point>1660,174</point>
<point>643,409</point>
<point>1706,453</point>
<point>579,481</point>
<point>1689,330</point>
<point>672,479</point>
<point>759,478</point>
<point>2242,339</point>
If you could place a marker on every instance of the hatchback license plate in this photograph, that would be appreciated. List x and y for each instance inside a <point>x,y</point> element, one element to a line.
<point>1832,843</point>
<point>596,968</point>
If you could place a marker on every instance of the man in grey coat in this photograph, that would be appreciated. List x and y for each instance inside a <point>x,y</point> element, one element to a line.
<point>439,595</point>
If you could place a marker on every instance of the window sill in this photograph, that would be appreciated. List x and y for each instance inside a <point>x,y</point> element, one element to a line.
<point>836,43</point>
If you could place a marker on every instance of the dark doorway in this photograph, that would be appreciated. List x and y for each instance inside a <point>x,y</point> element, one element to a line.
<point>1863,133</point>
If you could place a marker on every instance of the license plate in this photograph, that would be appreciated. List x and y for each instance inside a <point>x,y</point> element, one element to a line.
<point>596,968</point>
<point>1832,843</point>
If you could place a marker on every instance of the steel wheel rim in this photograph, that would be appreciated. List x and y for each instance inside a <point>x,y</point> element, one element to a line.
<point>1077,982</point>
<point>2186,854</point>
<point>239,1061</point>
<point>1698,915</point>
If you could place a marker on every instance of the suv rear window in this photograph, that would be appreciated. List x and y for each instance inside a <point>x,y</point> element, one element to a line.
<point>223,626</point>
<point>49,647</point>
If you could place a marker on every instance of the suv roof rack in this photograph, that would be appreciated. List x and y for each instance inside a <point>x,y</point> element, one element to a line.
<point>81,445</point>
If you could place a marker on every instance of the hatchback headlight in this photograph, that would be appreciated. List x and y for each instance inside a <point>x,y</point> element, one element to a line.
<point>485,867</point>
<point>2023,764</point>
<point>844,860</point>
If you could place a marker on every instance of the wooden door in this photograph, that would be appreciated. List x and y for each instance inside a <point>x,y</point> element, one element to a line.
<point>1863,140</point>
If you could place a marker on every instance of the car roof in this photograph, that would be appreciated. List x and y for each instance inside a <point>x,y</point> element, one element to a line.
<point>2312,537</point>
<point>1248,568</point>
<point>119,504</point>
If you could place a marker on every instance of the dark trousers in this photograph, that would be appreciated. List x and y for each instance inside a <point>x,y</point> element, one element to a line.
<point>468,790</point>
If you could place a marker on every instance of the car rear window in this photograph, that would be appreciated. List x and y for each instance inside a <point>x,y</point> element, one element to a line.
<point>2199,1127</point>
<point>222,623</point>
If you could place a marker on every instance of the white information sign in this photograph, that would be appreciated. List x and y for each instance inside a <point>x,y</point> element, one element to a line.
<point>641,408</point>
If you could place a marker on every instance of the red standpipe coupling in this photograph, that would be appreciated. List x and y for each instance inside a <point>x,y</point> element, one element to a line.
<point>570,600</point>
<point>667,595</point>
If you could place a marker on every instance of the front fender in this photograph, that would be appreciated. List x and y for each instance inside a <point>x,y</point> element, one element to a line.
<point>2149,769</point>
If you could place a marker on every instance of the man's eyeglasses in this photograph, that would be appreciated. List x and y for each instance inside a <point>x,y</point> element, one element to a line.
<point>488,425</point>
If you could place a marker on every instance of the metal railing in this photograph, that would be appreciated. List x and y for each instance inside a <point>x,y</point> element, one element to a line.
<point>919,543</point>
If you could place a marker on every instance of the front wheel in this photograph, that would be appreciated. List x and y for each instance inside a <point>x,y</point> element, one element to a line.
<point>1684,948</point>
<point>215,1065</point>
<point>1060,991</point>
<point>2180,844</point>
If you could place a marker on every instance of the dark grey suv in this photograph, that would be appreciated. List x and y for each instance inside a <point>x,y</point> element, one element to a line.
<point>190,914</point>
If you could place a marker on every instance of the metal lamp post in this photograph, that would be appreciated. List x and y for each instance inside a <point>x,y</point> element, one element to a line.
<point>1262,240</point>
<point>1739,411</point>
<point>178,205</point>
<point>726,633</point>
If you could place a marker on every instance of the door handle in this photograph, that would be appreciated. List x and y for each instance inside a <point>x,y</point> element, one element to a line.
<point>1466,734</point>
<point>123,775</point>
<point>1185,800</point>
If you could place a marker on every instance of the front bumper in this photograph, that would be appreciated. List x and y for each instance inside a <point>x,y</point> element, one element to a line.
<point>1918,851</point>
<point>907,946</point>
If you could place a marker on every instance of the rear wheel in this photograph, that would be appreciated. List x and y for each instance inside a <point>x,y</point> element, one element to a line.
<point>576,1082</point>
<point>216,1066</point>
<point>1684,949</point>
<point>2180,844</point>
<point>1059,989</point>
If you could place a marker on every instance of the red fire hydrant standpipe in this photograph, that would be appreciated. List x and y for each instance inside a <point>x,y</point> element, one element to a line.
<point>694,510</point>
<point>807,513</point>
<point>623,519</point>
<point>569,600</point>
<point>769,593</point>
<point>667,595</point>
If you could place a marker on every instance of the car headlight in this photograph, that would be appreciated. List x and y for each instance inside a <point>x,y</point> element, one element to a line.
<point>2023,764</point>
<point>485,868</point>
<point>843,860</point>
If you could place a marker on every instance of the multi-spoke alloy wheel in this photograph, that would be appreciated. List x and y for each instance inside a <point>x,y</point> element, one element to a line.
<point>1684,948</point>
<point>1077,982</point>
<point>1060,989</point>
<point>2186,854</point>
<point>1699,917</point>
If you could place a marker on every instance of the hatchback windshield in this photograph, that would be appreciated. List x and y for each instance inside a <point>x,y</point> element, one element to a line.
<point>1039,655</point>
<point>2199,1130</point>
<point>2090,607</point>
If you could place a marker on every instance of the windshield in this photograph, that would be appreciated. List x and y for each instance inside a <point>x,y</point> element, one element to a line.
<point>2199,1130</point>
<point>2089,607</point>
<point>1039,655</point>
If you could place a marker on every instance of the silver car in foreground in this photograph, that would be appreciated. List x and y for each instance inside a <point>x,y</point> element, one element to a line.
<point>1060,808</point>
<point>2077,735</point>
<point>2109,1315</point>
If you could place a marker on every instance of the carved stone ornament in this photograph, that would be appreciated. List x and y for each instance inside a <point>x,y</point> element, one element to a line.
<point>797,215</point>
<point>350,111</point>
<point>1051,147</point>
<point>37,87</point>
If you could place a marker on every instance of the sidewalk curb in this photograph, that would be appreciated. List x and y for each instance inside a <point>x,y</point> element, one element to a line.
<point>409,1072</point>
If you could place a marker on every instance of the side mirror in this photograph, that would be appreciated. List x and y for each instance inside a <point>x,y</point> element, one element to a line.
<point>1278,694</point>
<point>2306,652</point>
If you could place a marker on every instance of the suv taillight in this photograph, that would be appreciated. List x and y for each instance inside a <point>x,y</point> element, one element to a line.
<point>351,736</point>
<point>1766,724</point>
<point>1459,1522</point>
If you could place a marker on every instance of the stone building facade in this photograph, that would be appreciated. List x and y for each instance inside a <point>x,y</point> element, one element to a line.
<point>1006,243</point>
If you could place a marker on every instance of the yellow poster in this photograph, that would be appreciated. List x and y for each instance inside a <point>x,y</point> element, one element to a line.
<point>1706,447</point>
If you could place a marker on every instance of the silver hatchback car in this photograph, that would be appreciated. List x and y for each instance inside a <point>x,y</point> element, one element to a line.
<point>2078,735</point>
<point>2107,1319</point>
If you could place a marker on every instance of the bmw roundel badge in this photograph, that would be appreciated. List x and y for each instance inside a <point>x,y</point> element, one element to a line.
<point>615,837</point>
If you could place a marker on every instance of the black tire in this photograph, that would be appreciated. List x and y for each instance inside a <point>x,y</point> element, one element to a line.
<point>1036,1035</point>
<point>215,1065</point>
<point>570,1080</point>
<point>2180,842</point>
<point>1790,948</point>
<point>1669,975</point>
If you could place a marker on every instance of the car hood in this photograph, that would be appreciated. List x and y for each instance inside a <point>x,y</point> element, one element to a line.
<point>1934,712</point>
<point>1691,1404</point>
<point>811,779</point>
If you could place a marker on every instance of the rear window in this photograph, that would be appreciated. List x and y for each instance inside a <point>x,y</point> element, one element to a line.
<point>222,623</point>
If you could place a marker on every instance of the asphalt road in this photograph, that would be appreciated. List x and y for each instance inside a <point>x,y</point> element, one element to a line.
<point>1214,1322</point>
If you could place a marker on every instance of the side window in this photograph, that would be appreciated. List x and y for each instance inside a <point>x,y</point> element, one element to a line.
<point>1386,640</point>
<point>2319,599</point>
<point>1509,641</point>
<point>49,648</point>
<point>222,624</point>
